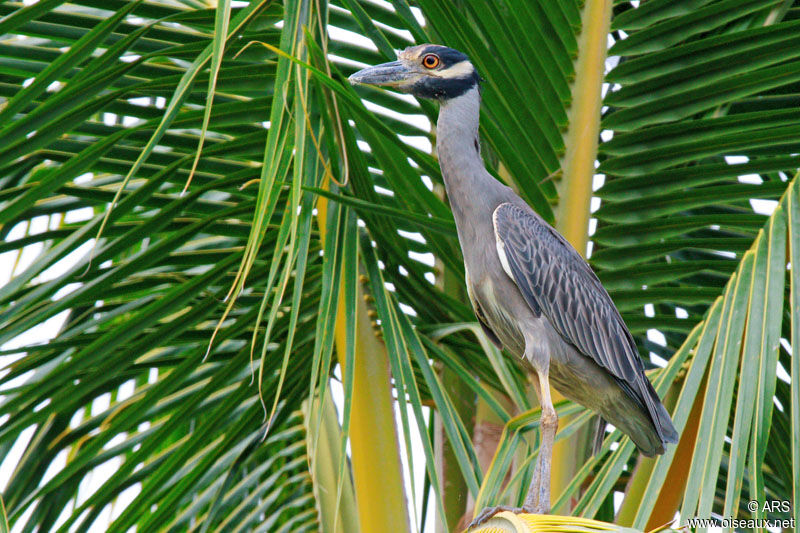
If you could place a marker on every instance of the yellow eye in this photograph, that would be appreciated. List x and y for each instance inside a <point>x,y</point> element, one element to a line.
<point>430,61</point>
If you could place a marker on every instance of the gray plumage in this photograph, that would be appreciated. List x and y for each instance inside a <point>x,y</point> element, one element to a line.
<point>558,284</point>
<point>551,290</point>
<point>531,291</point>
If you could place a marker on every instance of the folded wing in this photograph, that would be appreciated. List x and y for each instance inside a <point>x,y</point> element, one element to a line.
<point>554,279</point>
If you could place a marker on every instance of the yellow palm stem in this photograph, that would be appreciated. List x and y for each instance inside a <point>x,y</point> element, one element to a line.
<point>375,458</point>
<point>575,187</point>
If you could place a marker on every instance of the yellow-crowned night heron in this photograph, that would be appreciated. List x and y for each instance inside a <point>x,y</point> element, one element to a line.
<point>531,291</point>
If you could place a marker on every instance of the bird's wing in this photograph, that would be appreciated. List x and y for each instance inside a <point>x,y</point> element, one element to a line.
<point>554,279</point>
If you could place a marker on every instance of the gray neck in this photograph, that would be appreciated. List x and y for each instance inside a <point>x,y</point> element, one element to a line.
<point>466,180</point>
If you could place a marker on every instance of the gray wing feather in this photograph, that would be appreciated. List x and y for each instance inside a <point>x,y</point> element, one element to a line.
<point>555,279</point>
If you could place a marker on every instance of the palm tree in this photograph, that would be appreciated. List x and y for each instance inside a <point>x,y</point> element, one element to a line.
<point>213,231</point>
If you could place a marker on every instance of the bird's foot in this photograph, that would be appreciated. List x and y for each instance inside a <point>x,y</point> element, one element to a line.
<point>489,512</point>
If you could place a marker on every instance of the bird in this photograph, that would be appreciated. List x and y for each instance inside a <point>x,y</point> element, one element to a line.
<point>531,291</point>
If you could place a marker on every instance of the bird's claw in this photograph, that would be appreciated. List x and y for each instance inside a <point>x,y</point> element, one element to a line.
<point>489,512</point>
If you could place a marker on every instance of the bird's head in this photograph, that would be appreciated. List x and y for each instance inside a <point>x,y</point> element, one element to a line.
<point>425,71</point>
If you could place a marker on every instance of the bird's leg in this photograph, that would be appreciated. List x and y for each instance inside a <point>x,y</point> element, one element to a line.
<point>532,498</point>
<point>538,498</point>
<point>537,501</point>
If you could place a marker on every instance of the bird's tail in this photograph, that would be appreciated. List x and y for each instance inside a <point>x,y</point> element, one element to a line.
<point>648,424</point>
<point>660,418</point>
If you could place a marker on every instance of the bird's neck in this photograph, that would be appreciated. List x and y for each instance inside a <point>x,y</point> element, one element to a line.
<point>457,137</point>
<point>465,177</point>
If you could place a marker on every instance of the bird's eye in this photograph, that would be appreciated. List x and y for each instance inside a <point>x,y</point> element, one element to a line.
<point>430,61</point>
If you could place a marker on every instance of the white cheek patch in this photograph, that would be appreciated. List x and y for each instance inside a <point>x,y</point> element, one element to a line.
<point>459,70</point>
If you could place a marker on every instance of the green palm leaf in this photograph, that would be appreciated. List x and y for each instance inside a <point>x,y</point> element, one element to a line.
<point>190,336</point>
